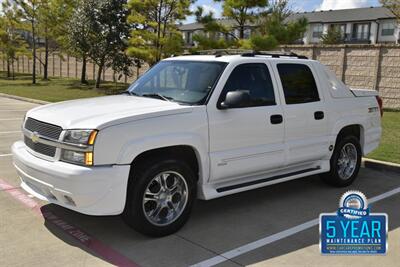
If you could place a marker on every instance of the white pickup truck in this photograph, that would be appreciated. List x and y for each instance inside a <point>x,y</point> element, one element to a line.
<point>197,126</point>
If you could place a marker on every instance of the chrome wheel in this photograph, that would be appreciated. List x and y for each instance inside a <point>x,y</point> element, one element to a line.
<point>347,161</point>
<point>165,198</point>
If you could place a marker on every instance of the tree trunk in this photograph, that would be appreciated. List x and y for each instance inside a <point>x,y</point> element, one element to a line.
<point>34,53</point>
<point>83,73</point>
<point>99,72</point>
<point>46,60</point>
<point>13,71</point>
<point>241,32</point>
<point>8,68</point>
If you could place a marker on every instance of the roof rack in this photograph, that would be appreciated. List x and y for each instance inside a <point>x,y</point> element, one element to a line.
<point>221,52</point>
<point>273,54</point>
<point>246,53</point>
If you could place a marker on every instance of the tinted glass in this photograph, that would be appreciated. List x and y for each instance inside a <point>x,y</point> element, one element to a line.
<point>298,83</point>
<point>181,81</point>
<point>256,80</point>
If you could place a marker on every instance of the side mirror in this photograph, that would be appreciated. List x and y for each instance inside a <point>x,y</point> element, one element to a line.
<point>235,99</point>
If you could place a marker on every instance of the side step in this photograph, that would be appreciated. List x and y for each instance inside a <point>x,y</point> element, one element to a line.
<point>264,180</point>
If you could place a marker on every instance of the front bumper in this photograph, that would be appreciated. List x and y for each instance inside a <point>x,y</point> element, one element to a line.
<point>88,190</point>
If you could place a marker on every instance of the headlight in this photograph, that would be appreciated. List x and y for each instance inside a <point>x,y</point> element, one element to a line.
<point>79,137</point>
<point>83,137</point>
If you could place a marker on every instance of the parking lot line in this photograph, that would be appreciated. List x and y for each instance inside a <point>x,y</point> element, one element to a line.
<point>10,132</point>
<point>11,119</point>
<point>5,155</point>
<point>278,236</point>
<point>13,110</point>
<point>99,248</point>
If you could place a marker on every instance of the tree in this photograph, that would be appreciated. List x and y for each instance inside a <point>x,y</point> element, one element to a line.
<point>333,36</point>
<point>53,16</point>
<point>214,32</point>
<point>243,11</point>
<point>276,24</point>
<point>393,6</point>
<point>11,42</point>
<point>44,21</point>
<point>108,33</point>
<point>77,34</point>
<point>29,12</point>
<point>212,25</point>
<point>155,34</point>
<point>270,28</point>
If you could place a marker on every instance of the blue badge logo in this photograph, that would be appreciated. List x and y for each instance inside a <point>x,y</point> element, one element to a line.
<point>353,229</point>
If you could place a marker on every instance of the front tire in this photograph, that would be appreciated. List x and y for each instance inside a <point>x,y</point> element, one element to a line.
<point>160,197</point>
<point>345,162</point>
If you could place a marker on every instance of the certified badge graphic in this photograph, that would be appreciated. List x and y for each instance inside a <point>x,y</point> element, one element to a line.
<point>353,229</point>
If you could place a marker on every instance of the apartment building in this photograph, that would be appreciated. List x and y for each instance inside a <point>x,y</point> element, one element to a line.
<point>360,25</point>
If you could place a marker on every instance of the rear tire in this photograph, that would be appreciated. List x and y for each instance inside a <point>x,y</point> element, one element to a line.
<point>345,162</point>
<point>160,196</point>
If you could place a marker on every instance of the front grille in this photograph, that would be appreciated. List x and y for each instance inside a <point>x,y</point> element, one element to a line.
<point>46,130</point>
<point>40,148</point>
<point>42,128</point>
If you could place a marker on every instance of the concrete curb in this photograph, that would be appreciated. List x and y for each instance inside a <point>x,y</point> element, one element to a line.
<point>30,100</point>
<point>381,165</point>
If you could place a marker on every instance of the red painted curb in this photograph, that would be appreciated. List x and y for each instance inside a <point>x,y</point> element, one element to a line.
<point>105,252</point>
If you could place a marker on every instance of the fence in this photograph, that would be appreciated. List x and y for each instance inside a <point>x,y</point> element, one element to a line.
<point>360,66</point>
<point>68,67</point>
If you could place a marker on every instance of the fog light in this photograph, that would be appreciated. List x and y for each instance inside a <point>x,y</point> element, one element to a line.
<point>89,158</point>
<point>73,156</point>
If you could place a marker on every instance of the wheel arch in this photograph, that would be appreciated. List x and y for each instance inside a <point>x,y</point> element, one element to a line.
<point>356,130</point>
<point>187,153</point>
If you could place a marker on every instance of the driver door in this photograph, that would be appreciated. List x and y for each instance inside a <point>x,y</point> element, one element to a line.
<point>250,139</point>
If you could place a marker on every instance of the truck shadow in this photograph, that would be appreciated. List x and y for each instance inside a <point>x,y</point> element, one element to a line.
<point>219,225</point>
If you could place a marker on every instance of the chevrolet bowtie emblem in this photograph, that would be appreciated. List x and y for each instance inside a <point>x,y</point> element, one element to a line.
<point>35,137</point>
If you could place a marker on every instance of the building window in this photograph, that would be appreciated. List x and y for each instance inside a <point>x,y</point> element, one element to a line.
<point>387,29</point>
<point>361,31</point>
<point>341,28</point>
<point>317,31</point>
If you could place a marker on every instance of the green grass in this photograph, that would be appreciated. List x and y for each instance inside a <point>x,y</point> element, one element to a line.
<point>56,89</point>
<point>389,149</point>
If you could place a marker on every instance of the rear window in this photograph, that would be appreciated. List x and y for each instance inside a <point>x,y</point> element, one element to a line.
<point>298,83</point>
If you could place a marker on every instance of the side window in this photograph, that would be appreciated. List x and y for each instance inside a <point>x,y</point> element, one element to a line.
<point>298,83</point>
<point>256,80</point>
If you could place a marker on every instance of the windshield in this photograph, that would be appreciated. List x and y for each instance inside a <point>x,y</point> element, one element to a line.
<point>181,81</point>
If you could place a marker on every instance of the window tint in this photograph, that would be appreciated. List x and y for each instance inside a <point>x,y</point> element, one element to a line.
<point>298,83</point>
<point>256,80</point>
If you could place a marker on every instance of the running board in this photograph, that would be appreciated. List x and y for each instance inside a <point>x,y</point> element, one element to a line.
<point>264,180</point>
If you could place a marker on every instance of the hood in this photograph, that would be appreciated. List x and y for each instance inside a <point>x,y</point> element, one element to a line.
<point>101,112</point>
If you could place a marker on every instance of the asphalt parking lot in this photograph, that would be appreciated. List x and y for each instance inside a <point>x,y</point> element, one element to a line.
<point>272,226</point>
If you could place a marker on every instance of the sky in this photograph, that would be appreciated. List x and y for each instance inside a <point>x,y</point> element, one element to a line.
<point>296,5</point>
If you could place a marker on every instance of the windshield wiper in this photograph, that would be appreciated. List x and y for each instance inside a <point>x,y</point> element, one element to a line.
<point>158,96</point>
<point>130,93</point>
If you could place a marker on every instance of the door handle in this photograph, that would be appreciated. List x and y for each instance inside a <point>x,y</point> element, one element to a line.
<point>276,119</point>
<point>318,115</point>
